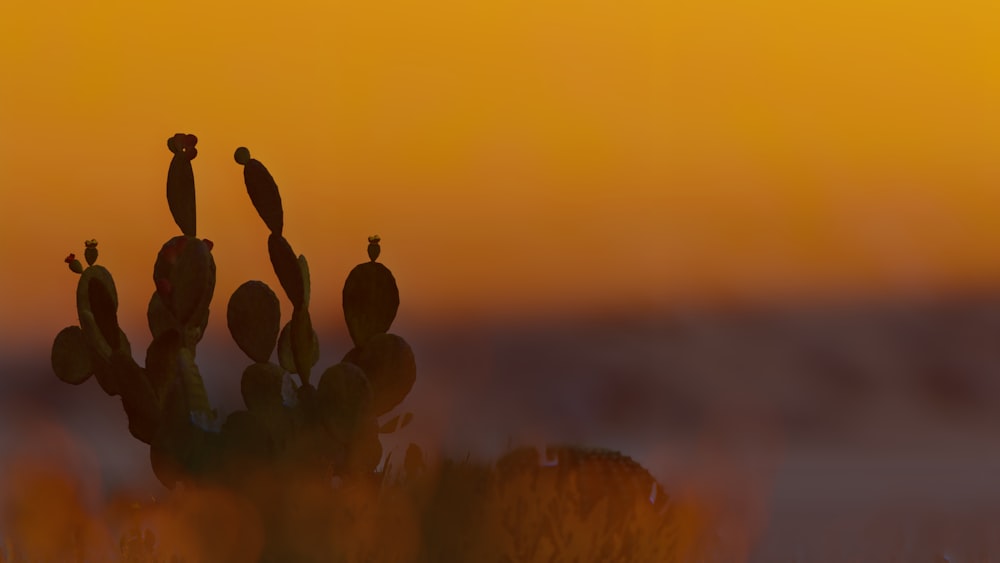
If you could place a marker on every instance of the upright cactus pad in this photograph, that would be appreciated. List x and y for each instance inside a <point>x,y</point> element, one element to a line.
<point>370,298</point>
<point>97,307</point>
<point>180,182</point>
<point>287,268</point>
<point>263,191</point>
<point>346,396</point>
<point>254,318</point>
<point>184,275</point>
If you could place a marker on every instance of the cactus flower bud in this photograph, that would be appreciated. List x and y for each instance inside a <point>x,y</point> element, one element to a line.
<point>208,243</point>
<point>90,254</point>
<point>242,155</point>
<point>183,144</point>
<point>373,248</point>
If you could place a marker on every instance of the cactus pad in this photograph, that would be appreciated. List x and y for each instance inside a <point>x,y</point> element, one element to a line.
<point>286,357</point>
<point>261,387</point>
<point>138,398</point>
<point>97,306</point>
<point>370,301</point>
<point>180,182</point>
<point>305,347</point>
<point>245,436</point>
<point>71,356</point>
<point>345,395</point>
<point>162,367</point>
<point>159,318</point>
<point>263,191</point>
<point>184,274</point>
<point>254,319</point>
<point>287,268</point>
<point>388,362</point>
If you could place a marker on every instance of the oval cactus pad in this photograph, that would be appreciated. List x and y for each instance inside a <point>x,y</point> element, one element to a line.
<point>254,319</point>
<point>370,301</point>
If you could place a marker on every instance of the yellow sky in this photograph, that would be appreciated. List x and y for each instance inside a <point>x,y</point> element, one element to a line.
<point>513,155</point>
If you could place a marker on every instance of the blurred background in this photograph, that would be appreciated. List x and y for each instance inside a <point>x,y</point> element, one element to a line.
<point>750,244</point>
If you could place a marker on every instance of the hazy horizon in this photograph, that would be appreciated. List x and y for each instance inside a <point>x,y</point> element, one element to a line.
<point>749,243</point>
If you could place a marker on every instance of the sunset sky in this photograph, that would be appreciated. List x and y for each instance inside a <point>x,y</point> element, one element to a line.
<point>517,158</point>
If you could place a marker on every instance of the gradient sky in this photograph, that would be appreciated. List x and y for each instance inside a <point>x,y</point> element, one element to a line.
<point>516,157</point>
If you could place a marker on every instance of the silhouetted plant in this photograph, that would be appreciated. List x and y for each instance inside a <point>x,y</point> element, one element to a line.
<point>331,428</point>
<point>281,452</point>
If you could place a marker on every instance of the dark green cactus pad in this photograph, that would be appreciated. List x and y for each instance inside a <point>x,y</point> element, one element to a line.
<point>184,274</point>
<point>306,284</point>
<point>90,255</point>
<point>192,383</point>
<point>166,467</point>
<point>194,283</point>
<point>264,195</point>
<point>286,357</point>
<point>103,373</point>
<point>162,367</point>
<point>71,356</point>
<point>261,387</point>
<point>388,362</point>
<point>245,436</point>
<point>286,267</point>
<point>306,402</point>
<point>254,319</point>
<point>305,344</point>
<point>159,318</point>
<point>104,306</point>
<point>370,301</point>
<point>344,396</point>
<point>97,306</point>
<point>180,183</point>
<point>181,451</point>
<point>137,396</point>
<point>181,454</point>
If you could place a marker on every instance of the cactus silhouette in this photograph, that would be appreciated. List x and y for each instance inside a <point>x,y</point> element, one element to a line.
<point>330,428</point>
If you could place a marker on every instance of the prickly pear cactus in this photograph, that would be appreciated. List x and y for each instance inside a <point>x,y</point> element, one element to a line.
<point>572,505</point>
<point>332,429</point>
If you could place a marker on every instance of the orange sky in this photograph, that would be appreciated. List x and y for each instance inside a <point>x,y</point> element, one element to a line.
<point>512,155</point>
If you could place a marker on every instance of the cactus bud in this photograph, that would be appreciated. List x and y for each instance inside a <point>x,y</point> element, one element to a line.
<point>90,254</point>
<point>373,248</point>
<point>242,155</point>
<point>183,145</point>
